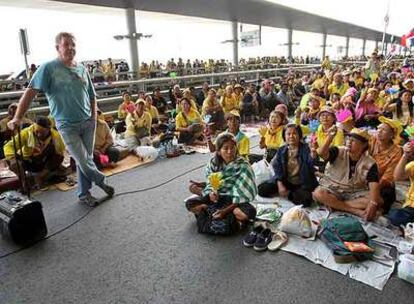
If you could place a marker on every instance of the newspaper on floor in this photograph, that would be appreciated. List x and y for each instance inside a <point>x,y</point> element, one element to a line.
<point>375,272</point>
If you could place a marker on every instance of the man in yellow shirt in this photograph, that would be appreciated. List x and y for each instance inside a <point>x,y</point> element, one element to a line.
<point>138,123</point>
<point>228,100</point>
<point>42,148</point>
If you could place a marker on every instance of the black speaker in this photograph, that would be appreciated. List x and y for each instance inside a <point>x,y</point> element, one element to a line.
<point>21,219</point>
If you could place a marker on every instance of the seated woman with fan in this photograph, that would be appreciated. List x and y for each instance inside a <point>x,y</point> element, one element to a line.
<point>230,184</point>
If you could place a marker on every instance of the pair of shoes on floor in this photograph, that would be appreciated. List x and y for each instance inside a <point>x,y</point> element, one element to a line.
<point>261,239</point>
<point>258,238</point>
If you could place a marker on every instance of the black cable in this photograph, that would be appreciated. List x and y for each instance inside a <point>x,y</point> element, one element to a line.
<point>90,210</point>
<point>162,184</point>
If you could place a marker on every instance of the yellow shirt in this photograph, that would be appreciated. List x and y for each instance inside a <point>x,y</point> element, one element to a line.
<point>319,83</point>
<point>359,81</point>
<point>405,119</point>
<point>207,104</point>
<point>341,90</point>
<point>321,137</point>
<point>238,98</point>
<point>274,140</point>
<point>379,102</point>
<point>409,201</point>
<point>243,145</point>
<point>229,103</point>
<point>133,121</point>
<point>153,112</point>
<point>29,142</point>
<point>192,117</point>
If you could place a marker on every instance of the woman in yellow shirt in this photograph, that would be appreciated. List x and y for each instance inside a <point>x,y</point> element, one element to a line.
<point>151,109</point>
<point>138,123</point>
<point>271,135</point>
<point>187,94</point>
<point>228,101</point>
<point>189,124</point>
<point>123,107</point>
<point>327,119</point>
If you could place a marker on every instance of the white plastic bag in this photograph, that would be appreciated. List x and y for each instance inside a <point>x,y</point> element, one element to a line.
<point>262,171</point>
<point>129,143</point>
<point>147,153</point>
<point>296,221</point>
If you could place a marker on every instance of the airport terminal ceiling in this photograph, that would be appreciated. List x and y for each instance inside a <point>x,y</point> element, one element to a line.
<point>265,13</point>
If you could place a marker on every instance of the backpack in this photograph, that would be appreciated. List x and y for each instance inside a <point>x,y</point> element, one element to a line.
<point>347,239</point>
<point>207,225</point>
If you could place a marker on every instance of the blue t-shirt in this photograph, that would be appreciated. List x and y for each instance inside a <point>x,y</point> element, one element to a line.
<point>69,90</point>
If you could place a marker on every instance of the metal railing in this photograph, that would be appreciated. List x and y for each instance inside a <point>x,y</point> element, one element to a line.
<point>147,85</point>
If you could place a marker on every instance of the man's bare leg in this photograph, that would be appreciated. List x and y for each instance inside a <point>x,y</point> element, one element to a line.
<point>328,199</point>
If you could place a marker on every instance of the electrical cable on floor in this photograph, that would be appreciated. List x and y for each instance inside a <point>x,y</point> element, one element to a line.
<point>90,210</point>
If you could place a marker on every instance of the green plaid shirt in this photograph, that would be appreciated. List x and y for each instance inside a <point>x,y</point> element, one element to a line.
<point>237,181</point>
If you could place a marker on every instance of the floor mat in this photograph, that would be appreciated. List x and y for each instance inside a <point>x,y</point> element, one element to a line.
<point>374,273</point>
<point>129,162</point>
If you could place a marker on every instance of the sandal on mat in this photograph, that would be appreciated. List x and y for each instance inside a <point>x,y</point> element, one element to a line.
<point>278,240</point>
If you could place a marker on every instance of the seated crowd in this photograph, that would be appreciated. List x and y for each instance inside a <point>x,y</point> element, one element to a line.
<point>345,146</point>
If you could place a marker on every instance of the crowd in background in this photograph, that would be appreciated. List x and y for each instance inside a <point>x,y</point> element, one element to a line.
<point>339,135</point>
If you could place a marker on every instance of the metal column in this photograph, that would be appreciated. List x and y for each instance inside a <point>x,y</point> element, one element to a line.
<point>324,36</point>
<point>235,43</point>
<point>133,41</point>
<point>376,45</point>
<point>289,43</point>
<point>364,43</point>
<point>347,46</point>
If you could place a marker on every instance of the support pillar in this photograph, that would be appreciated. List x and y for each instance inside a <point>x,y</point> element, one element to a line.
<point>289,43</point>
<point>235,43</point>
<point>364,43</point>
<point>376,45</point>
<point>324,36</point>
<point>347,46</point>
<point>385,51</point>
<point>133,41</point>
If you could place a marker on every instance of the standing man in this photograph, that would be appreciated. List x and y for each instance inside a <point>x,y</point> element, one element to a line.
<point>71,96</point>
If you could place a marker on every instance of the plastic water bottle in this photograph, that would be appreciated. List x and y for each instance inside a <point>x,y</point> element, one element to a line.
<point>175,144</point>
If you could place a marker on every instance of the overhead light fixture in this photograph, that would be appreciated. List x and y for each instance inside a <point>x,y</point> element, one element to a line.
<point>136,36</point>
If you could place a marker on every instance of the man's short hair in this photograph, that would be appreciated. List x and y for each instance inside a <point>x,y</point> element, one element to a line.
<point>62,35</point>
<point>43,121</point>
